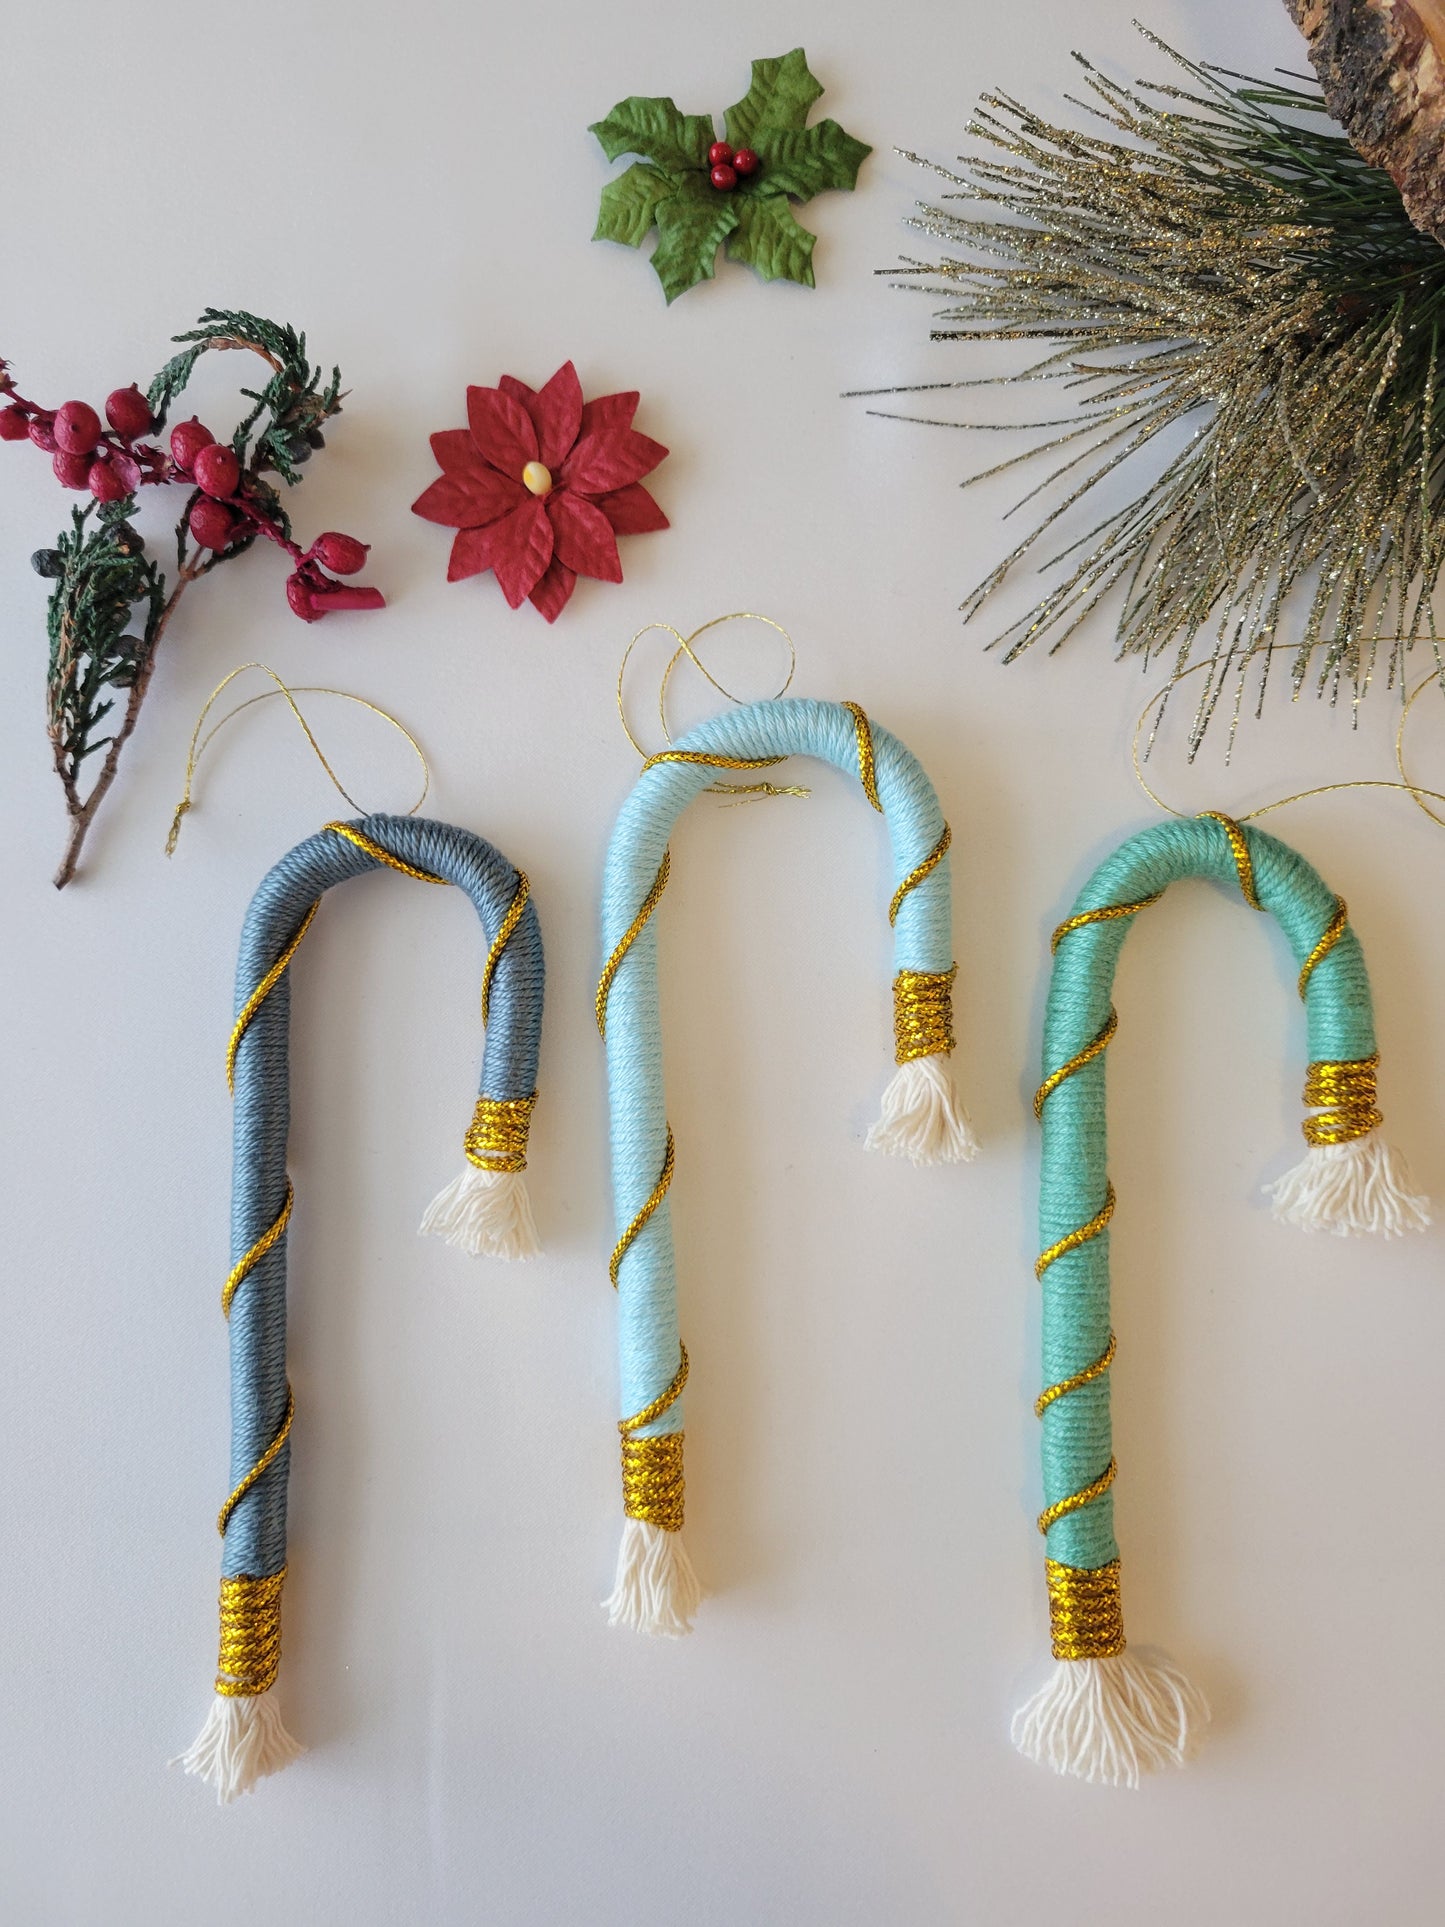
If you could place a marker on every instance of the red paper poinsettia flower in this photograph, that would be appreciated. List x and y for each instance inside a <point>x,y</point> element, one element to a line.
<point>539,485</point>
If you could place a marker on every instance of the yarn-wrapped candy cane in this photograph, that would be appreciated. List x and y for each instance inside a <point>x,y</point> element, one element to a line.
<point>486,1210</point>
<point>1107,1714</point>
<point>656,1589</point>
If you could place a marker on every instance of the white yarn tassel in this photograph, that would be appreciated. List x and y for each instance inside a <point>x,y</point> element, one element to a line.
<point>656,1590</point>
<point>922,1117</point>
<point>1110,1720</point>
<point>241,1742</point>
<point>1351,1188</point>
<point>486,1213</point>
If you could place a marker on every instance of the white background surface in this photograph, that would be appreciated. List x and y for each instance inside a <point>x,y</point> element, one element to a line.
<point>416,187</point>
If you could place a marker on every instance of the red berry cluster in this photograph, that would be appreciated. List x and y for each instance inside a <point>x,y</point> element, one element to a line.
<point>112,463</point>
<point>728,167</point>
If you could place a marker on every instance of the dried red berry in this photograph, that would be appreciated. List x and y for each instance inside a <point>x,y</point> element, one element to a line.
<point>212,524</point>
<point>341,553</point>
<point>187,441</point>
<point>71,470</point>
<point>77,428</point>
<point>299,596</point>
<point>14,425</point>
<point>745,161</point>
<point>217,470</point>
<point>724,178</point>
<point>105,484</point>
<point>128,412</point>
<point>719,153</point>
<point>40,433</point>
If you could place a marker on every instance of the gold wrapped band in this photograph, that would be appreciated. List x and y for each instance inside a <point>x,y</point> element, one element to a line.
<point>262,991</point>
<point>633,932</point>
<point>652,1483</point>
<point>253,1257</point>
<point>659,1192</point>
<point>499,942</point>
<point>1108,913</point>
<point>926,868</point>
<point>1086,1056</point>
<point>379,855</point>
<point>867,766</point>
<point>1347,1091</point>
<point>497,1137</point>
<point>1239,850</point>
<point>923,1013</point>
<point>1334,930</point>
<point>1076,1501</point>
<point>1086,1614</point>
<point>250,1655</point>
<point>1086,1377</point>
<point>263,1464</point>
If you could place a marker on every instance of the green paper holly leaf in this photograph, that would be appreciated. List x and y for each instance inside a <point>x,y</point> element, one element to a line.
<point>671,187</point>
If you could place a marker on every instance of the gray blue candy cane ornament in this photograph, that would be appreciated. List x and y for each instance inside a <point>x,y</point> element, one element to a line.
<point>485,1211</point>
<point>1106,1713</point>
<point>656,1589</point>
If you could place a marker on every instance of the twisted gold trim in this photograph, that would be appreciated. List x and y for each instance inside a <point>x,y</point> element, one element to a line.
<point>499,942</point>
<point>923,1013</point>
<point>1076,1501</point>
<point>1073,1239</point>
<point>652,1481</point>
<point>262,1465</point>
<point>1086,1377</point>
<point>379,855</point>
<point>662,1403</point>
<point>250,1655</point>
<point>1347,1091</point>
<point>1239,850</point>
<point>867,766</point>
<point>708,761</point>
<point>1086,1056</point>
<point>1334,930</point>
<point>1107,913</point>
<point>496,1139</point>
<point>659,1192</point>
<point>1086,1613</point>
<point>630,936</point>
<point>244,1266</point>
<point>926,868</point>
<point>262,991</point>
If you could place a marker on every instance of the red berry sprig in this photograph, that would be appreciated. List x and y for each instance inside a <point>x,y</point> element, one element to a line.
<point>728,165</point>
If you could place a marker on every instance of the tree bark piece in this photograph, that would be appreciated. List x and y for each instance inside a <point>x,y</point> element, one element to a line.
<point>1381,64</point>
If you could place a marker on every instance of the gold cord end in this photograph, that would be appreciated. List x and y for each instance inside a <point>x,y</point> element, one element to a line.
<point>1086,1614</point>
<point>923,1013</point>
<point>496,1139</point>
<point>250,1655</point>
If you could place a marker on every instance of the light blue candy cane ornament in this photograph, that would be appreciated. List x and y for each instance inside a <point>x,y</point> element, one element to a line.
<point>1109,1714</point>
<point>486,1210</point>
<point>656,1589</point>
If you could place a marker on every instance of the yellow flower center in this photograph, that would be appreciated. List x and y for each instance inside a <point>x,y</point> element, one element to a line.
<point>538,478</point>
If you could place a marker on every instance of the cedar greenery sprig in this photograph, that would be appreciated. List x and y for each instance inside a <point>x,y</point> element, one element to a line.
<point>1231,291</point>
<point>111,604</point>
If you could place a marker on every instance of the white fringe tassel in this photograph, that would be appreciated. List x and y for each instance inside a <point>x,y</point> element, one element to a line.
<point>922,1118</point>
<point>486,1213</point>
<point>241,1742</point>
<point>1109,1720</point>
<point>1351,1188</point>
<point>656,1590</point>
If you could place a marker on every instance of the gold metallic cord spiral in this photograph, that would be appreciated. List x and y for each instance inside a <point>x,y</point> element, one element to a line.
<point>245,1266</point>
<point>1239,850</point>
<point>1086,1377</point>
<point>500,941</point>
<point>378,855</point>
<point>496,1140</point>
<point>1106,913</point>
<point>915,876</point>
<point>1086,1613</point>
<point>631,934</point>
<point>923,1014</point>
<point>250,1654</point>
<point>1081,1235</point>
<point>659,1192</point>
<point>1086,1056</point>
<point>1076,1501</point>
<point>263,1465</point>
<point>867,764</point>
<point>262,991</point>
<point>1334,930</point>
<point>1347,1093</point>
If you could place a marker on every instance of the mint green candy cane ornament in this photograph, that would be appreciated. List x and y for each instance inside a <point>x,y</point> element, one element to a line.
<point>1108,1714</point>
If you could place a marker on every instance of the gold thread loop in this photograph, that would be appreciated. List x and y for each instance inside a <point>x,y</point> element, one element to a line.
<point>867,766</point>
<point>652,1481</point>
<point>1086,1056</point>
<point>1073,1239</point>
<point>499,942</point>
<point>245,1266</point>
<point>923,1014</point>
<point>926,868</point>
<point>1239,850</point>
<point>1086,1377</point>
<point>1346,1091</point>
<point>262,1465</point>
<point>659,1192</point>
<point>262,991</point>
<point>379,855</point>
<point>250,1655</point>
<point>1334,930</point>
<point>1076,1501</point>
<point>496,1139</point>
<point>1086,1613</point>
<point>1107,913</point>
<point>633,932</point>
